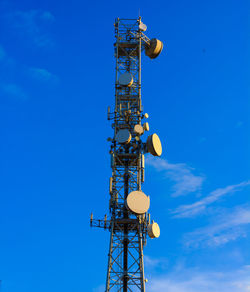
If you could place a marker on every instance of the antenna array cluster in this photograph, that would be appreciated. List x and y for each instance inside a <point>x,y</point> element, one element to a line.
<point>129,222</point>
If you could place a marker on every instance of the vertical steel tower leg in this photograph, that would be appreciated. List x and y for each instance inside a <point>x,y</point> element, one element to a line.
<point>125,240</point>
<point>110,257</point>
<point>140,237</point>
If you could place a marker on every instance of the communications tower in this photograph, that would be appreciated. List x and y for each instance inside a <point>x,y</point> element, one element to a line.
<point>129,222</point>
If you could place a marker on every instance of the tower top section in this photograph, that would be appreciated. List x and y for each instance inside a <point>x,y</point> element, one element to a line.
<point>134,30</point>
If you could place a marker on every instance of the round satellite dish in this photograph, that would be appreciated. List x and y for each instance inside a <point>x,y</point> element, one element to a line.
<point>137,202</point>
<point>123,136</point>
<point>146,127</point>
<point>146,116</point>
<point>126,79</point>
<point>154,145</point>
<point>142,26</point>
<point>153,230</point>
<point>138,129</point>
<point>154,49</point>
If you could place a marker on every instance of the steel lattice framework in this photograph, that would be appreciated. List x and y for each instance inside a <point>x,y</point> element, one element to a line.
<point>128,231</point>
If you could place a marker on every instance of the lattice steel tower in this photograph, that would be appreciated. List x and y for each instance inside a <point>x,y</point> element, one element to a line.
<point>129,222</point>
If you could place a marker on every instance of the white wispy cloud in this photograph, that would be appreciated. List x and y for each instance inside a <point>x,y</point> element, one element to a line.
<point>13,91</point>
<point>194,280</point>
<point>225,228</point>
<point>47,16</point>
<point>100,288</point>
<point>191,210</point>
<point>182,175</point>
<point>43,75</point>
<point>31,24</point>
<point>155,263</point>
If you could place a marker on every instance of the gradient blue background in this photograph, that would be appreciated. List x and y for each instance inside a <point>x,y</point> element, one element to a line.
<point>57,73</point>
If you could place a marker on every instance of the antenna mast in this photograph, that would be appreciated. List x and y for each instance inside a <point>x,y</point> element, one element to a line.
<point>129,222</point>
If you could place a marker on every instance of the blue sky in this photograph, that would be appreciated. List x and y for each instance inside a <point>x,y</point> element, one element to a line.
<point>56,82</point>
